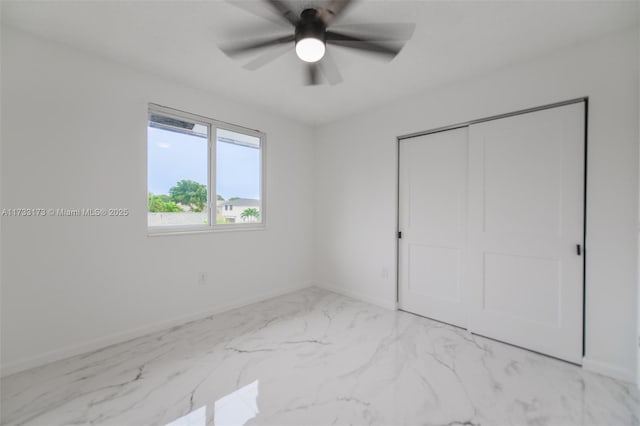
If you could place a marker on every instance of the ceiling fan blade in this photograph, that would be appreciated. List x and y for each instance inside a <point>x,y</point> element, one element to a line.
<point>333,9</point>
<point>284,11</point>
<point>379,31</point>
<point>257,31</point>
<point>238,49</point>
<point>373,46</point>
<point>329,69</point>
<point>312,74</point>
<point>267,57</point>
<point>258,8</point>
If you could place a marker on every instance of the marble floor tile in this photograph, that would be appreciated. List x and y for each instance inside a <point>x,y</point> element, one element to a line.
<point>314,358</point>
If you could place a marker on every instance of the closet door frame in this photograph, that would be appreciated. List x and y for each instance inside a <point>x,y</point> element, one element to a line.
<point>585,100</point>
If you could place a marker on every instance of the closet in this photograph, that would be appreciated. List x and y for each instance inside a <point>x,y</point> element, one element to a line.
<point>491,222</point>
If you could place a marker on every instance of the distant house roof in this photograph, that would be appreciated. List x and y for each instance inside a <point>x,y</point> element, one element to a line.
<point>245,202</point>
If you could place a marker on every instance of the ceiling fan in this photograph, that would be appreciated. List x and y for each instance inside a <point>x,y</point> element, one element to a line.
<point>311,37</point>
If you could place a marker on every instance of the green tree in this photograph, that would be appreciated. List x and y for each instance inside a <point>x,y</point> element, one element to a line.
<point>220,197</point>
<point>251,214</point>
<point>162,204</point>
<point>189,193</point>
<point>234,198</point>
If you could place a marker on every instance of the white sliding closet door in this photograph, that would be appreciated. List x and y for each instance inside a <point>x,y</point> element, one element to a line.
<point>433,221</point>
<point>526,189</point>
<point>492,226</point>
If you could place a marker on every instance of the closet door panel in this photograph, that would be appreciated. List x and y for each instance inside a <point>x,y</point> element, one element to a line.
<point>526,221</point>
<point>433,198</point>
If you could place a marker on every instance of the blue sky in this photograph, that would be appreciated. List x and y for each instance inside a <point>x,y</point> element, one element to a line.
<point>175,156</point>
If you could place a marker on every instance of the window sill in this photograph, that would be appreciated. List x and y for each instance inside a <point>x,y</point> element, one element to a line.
<point>171,230</point>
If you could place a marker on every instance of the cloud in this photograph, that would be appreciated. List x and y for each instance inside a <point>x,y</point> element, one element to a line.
<point>164,145</point>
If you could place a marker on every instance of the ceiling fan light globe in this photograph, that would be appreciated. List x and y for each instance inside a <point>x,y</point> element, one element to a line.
<point>310,49</point>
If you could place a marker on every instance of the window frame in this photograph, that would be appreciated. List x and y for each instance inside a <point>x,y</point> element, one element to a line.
<point>212,138</point>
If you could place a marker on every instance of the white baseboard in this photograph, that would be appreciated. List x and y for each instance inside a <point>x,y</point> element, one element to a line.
<point>610,370</point>
<point>123,336</point>
<point>386,304</point>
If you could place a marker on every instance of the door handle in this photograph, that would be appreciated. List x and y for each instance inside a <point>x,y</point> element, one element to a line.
<point>578,250</point>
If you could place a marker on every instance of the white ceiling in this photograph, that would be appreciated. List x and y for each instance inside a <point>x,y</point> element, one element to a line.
<point>452,40</point>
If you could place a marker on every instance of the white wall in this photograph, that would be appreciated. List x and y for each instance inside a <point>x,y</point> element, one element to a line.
<point>637,342</point>
<point>74,136</point>
<point>355,166</point>
<point>1,184</point>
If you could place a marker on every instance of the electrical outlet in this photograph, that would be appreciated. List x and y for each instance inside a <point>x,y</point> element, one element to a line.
<point>202,278</point>
<point>385,273</point>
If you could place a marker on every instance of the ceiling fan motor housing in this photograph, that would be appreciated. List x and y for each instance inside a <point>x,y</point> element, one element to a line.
<point>310,26</point>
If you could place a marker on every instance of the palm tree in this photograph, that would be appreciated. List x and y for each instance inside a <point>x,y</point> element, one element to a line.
<point>252,214</point>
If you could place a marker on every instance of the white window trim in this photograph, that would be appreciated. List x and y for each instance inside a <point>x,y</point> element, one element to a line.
<point>212,126</point>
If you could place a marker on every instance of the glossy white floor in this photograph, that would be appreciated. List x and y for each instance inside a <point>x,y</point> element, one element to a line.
<point>314,357</point>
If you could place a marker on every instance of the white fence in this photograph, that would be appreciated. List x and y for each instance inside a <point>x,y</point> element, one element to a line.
<point>178,218</point>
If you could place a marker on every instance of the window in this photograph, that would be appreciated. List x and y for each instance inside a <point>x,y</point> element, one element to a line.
<point>187,157</point>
